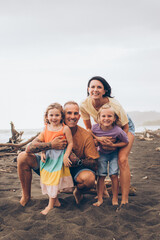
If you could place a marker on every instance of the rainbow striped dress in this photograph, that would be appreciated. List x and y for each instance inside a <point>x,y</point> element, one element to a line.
<point>54,176</point>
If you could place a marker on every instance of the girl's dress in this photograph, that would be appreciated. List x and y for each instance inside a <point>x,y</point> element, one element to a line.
<point>54,176</point>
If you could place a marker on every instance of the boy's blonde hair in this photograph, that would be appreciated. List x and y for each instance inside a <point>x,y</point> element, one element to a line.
<point>51,106</point>
<point>107,106</point>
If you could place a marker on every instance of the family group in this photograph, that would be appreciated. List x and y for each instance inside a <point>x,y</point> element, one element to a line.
<point>69,157</point>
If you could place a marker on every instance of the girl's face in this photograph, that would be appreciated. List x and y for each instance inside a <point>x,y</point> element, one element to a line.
<point>54,116</point>
<point>107,118</point>
<point>96,89</point>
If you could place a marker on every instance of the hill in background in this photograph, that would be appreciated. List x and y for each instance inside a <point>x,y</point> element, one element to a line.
<point>151,118</point>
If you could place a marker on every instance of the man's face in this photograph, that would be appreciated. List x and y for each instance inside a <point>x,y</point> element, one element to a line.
<point>71,115</point>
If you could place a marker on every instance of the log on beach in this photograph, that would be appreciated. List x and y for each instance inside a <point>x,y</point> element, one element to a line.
<point>139,220</point>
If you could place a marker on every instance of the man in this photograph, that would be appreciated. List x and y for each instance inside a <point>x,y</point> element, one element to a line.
<point>83,147</point>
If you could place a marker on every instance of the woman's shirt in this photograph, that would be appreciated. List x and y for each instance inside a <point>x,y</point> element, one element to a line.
<point>88,110</point>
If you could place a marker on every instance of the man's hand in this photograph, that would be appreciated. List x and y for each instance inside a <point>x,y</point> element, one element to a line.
<point>58,143</point>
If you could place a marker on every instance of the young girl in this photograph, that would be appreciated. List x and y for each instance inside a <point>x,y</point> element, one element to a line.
<point>106,126</point>
<point>54,171</point>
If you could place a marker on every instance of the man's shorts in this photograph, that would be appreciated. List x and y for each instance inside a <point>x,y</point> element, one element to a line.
<point>37,169</point>
<point>75,171</point>
<point>112,159</point>
<point>131,125</point>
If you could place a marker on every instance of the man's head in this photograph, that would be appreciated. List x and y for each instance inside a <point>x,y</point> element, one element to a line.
<point>71,111</point>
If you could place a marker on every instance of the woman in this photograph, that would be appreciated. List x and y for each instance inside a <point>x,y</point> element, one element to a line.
<point>99,93</point>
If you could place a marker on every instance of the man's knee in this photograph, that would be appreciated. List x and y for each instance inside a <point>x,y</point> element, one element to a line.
<point>87,178</point>
<point>26,160</point>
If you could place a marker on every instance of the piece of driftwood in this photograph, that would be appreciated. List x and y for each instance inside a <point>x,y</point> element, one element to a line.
<point>19,145</point>
<point>16,136</point>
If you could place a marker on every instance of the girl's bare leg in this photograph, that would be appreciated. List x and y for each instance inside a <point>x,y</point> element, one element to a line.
<point>124,168</point>
<point>51,204</point>
<point>115,186</point>
<point>100,189</point>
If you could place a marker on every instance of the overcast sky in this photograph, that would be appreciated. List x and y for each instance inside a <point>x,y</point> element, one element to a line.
<point>49,49</point>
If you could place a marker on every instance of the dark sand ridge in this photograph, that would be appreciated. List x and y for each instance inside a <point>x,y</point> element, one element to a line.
<point>140,221</point>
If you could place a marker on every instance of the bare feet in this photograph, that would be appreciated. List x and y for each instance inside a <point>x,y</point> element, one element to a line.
<point>57,203</point>
<point>24,200</point>
<point>77,195</point>
<point>98,203</point>
<point>114,201</point>
<point>106,194</point>
<point>46,210</point>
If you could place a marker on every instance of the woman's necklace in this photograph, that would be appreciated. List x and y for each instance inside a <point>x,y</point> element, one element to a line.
<point>98,104</point>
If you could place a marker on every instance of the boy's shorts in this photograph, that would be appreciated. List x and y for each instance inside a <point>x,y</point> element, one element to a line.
<point>112,159</point>
<point>75,171</point>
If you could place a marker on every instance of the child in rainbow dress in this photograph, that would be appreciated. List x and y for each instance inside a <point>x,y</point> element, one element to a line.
<point>54,166</point>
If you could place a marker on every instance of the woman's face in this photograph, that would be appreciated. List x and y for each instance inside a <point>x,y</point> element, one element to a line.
<point>96,89</point>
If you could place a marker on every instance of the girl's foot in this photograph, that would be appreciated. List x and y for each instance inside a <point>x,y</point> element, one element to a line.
<point>98,203</point>
<point>46,210</point>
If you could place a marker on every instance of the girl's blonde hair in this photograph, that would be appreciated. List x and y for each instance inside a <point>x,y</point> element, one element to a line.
<point>51,106</point>
<point>107,106</point>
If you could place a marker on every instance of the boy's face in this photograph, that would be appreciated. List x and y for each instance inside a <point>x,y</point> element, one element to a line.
<point>72,115</point>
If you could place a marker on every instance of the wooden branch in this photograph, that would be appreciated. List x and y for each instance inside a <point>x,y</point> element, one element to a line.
<point>20,144</point>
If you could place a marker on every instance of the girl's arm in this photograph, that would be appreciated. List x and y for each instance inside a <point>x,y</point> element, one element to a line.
<point>69,138</point>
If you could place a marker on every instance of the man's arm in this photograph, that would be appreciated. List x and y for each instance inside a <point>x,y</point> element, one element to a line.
<point>37,145</point>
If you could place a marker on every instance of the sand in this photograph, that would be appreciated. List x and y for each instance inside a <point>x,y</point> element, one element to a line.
<point>140,220</point>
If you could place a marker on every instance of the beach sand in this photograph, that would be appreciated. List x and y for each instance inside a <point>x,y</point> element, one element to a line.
<point>141,219</point>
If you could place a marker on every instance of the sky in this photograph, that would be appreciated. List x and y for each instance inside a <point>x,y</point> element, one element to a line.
<point>49,50</point>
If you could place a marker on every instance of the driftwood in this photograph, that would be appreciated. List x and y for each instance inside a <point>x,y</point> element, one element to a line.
<point>16,136</point>
<point>14,145</point>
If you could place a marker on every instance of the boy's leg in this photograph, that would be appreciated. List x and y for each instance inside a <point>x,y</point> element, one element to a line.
<point>115,187</point>
<point>100,189</point>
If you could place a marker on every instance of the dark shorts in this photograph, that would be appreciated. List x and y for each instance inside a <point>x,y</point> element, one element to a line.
<point>75,171</point>
<point>37,169</point>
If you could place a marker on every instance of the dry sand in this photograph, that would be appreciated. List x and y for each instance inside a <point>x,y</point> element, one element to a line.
<point>140,221</point>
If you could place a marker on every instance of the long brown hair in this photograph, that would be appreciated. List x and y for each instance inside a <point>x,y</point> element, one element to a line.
<point>52,106</point>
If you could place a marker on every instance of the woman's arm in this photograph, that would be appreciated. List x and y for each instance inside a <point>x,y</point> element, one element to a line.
<point>87,124</point>
<point>126,128</point>
<point>69,138</point>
